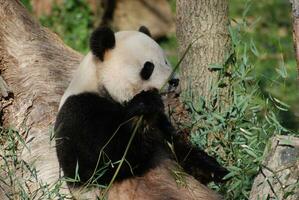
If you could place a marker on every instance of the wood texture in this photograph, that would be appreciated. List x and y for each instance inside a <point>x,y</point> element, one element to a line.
<point>295,12</point>
<point>279,172</point>
<point>37,66</point>
<point>206,22</point>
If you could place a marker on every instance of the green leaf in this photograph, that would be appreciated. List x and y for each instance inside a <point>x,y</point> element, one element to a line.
<point>253,48</point>
<point>281,70</point>
<point>215,67</point>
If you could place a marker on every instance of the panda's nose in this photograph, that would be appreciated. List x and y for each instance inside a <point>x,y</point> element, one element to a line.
<point>174,82</point>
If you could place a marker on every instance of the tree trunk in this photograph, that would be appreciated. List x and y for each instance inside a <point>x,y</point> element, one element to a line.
<point>295,10</point>
<point>37,67</point>
<point>205,22</point>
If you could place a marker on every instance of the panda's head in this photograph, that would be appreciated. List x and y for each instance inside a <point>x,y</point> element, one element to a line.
<point>123,64</point>
<point>129,62</point>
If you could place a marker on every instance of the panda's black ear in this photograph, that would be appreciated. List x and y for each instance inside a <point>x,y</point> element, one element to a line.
<point>145,30</point>
<point>101,40</point>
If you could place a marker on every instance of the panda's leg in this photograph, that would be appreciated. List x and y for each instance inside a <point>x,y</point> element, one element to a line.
<point>67,159</point>
<point>197,162</point>
<point>194,160</point>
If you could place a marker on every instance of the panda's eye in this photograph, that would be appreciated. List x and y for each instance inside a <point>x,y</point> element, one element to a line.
<point>166,63</point>
<point>147,70</point>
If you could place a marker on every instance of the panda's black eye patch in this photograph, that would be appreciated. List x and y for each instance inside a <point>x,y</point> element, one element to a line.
<point>147,70</point>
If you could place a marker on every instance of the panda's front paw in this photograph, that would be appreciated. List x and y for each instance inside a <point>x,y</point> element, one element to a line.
<point>146,103</point>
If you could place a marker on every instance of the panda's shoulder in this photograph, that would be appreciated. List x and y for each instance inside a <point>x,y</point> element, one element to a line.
<point>88,103</point>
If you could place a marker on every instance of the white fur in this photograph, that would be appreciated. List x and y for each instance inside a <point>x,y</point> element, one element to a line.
<point>85,79</point>
<point>119,73</point>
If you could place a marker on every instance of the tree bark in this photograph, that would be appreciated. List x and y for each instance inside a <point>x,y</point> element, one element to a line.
<point>278,177</point>
<point>37,67</point>
<point>205,22</point>
<point>295,11</point>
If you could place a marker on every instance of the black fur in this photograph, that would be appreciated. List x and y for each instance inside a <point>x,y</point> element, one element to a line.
<point>87,121</point>
<point>109,8</point>
<point>101,40</point>
<point>197,162</point>
<point>174,82</point>
<point>145,30</point>
<point>147,70</point>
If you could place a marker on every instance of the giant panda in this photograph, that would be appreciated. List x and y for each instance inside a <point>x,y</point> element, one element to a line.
<point>116,92</point>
